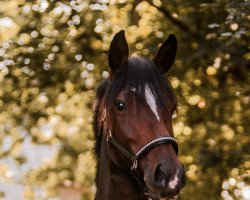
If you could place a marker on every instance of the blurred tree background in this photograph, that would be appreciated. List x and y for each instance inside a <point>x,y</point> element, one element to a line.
<point>54,53</point>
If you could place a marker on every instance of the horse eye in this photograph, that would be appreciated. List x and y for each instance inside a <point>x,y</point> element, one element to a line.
<point>120,106</point>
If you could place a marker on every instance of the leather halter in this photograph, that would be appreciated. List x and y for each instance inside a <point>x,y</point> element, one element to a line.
<point>134,158</point>
<point>145,149</point>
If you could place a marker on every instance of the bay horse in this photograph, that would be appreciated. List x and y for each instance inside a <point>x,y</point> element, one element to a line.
<point>135,147</point>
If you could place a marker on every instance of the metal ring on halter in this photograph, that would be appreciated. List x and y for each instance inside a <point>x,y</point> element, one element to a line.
<point>109,136</point>
<point>135,165</point>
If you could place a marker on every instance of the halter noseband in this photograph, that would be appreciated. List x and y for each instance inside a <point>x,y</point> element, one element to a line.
<point>145,149</point>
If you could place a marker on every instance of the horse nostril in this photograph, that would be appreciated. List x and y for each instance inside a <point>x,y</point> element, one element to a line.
<point>159,175</point>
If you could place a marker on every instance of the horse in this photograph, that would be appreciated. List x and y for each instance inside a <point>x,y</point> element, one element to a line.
<point>135,148</point>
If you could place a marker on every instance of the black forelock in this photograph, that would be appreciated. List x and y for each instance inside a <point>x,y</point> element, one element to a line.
<point>138,73</point>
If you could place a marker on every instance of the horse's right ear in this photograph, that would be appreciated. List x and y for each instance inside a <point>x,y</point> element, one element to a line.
<point>166,54</point>
<point>118,52</point>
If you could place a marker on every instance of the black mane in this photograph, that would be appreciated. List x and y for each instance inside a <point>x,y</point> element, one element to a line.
<point>134,76</point>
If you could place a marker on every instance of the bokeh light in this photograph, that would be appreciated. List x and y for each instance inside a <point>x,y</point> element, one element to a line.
<point>53,54</point>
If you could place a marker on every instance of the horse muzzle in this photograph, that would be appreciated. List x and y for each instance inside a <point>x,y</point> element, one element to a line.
<point>165,185</point>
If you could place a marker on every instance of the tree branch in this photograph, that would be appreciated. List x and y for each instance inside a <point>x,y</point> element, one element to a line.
<point>177,22</point>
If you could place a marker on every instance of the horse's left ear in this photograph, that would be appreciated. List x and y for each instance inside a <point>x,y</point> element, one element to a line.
<point>166,54</point>
<point>118,52</point>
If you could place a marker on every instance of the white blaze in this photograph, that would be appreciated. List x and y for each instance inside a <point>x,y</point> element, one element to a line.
<point>151,101</point>
<point>173,183</point>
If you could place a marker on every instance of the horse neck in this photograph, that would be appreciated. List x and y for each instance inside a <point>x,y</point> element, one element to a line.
<point>114,183</point>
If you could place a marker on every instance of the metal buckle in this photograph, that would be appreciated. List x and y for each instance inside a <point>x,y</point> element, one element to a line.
<point>109,136</point>
<point>135,164</point>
